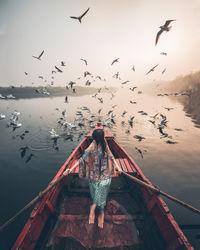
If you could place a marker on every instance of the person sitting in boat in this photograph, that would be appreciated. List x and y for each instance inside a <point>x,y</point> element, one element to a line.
<point>97,165</point>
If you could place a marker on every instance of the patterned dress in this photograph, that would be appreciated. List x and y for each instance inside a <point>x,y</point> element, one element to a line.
<point>98,169</point>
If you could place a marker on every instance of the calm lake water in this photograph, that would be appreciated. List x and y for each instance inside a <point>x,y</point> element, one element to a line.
<point>175,168</point>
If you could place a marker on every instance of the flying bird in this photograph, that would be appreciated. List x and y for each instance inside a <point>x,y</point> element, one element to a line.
<point>152,69</point>
<point>132,102</point>
<point>116,75</point>
<point>138,137</point>
<point>139,151</point>
<point>59,70</point>
<point>98,77</point>
<point>163,71</point>
<point>133,68</point>
<point>165,27</point>
<point>71,84</point>
<point>80,17</point>
<point>163,53</point>
<point>115,60</point>
<point>123,114</point>
<point>85,61</point>
<point>39,57</point>
<point>29,157</point>
<point>23,151</point>
<point>125,82</point>
<point>133,88</point>
<point>86,73</point>
<point>99,111</point>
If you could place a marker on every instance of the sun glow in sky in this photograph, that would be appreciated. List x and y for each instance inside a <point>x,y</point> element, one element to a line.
<point>111,29</point>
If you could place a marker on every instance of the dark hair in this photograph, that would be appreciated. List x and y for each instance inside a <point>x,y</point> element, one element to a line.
<point>98,136</point>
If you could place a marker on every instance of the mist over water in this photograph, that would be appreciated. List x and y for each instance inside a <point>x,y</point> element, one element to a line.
<point>172,167</point>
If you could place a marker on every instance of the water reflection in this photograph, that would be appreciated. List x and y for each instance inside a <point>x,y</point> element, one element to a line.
<point>174,168</point>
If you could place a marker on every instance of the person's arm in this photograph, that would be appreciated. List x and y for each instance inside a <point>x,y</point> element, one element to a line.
<point>69,170</point>
<point>117,167</point>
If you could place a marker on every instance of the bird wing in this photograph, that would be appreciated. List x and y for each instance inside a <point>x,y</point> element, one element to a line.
<point>84,61</point>
<point>84,13</point>
<point>41,54</point>
<point>58,69</point>
<point>158,35</point>
<point>148,71</point>
<point>74,17</point>
<point>116,60</point>
<point>168,22</point>
<point>113,62</point>
<point>154,67</point>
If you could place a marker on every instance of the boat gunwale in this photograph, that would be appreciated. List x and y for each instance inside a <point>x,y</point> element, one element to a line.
<point>40,208</point>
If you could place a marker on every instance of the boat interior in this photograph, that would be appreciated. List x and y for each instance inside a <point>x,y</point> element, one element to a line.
<point>127,225</point>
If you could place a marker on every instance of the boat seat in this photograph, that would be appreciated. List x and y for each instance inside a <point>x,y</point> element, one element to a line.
<point>122,162</point>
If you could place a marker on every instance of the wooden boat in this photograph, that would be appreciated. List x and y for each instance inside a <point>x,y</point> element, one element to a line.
<point>135,217</point>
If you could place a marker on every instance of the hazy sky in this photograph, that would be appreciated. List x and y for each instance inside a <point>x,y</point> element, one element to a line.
<point>111,29</point>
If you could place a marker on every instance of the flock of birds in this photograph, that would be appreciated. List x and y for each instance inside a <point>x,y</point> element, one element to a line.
<point>110,119</point>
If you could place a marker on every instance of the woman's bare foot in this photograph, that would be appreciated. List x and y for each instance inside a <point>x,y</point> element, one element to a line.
<point>101,219</point>
<point>92,214</point>
<point>91,219</point>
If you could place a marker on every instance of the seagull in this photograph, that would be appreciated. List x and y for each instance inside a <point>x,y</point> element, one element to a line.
<point>130,121</point>
<point>163,71</point>
<point>154,116</point>
<point>153,122</point>
<point>59,70</point>
<point>85,61</point>
<point>114,61</point>
<point>123,114</point>
<point>2,116</point>
<point>133,88</point>
<point>80,17</point>
<point>152,69</point>
<point>139,151</point>
<point>112,118</point>
<point>100,100</point>
<point>125,82</point>
<point>95,95</point>
<point>109,112</point>
<point>163,28</point>
<point>163,53</point>
<point>171,142</point>
<point>133,68</point>
<point>88,83</point>
<point>29,157</point>
<point>138,137</point>
<point>132,102</point>
<point>86,73</point>
<point>178,129</point>
<point>99,111</point>
<point>98,77</point>
<point>71,84</point>
<point>39,57</point>
<point>23,151</point>
<point>116,75</point>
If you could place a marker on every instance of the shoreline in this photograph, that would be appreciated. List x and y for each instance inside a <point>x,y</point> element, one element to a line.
<point>38,92</point>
